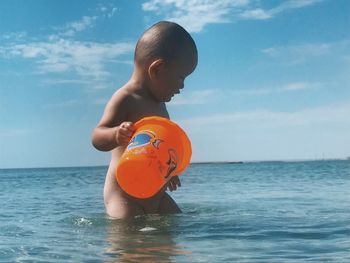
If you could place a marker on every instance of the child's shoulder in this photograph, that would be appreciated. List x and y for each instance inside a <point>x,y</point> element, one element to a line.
<point>123,94</point>
<point>120,100</point>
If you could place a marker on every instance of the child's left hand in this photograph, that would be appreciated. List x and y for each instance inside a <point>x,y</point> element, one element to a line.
<point>174,183</point>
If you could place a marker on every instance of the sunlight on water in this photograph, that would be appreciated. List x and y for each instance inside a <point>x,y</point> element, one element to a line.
<point>147,229</point>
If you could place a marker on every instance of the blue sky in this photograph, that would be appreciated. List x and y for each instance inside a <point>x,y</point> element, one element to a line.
<point>272,83</point>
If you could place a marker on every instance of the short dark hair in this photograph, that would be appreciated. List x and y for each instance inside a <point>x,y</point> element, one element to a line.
<point>164,40</point>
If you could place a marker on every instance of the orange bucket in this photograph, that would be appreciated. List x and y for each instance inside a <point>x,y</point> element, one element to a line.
<point>158,150</point>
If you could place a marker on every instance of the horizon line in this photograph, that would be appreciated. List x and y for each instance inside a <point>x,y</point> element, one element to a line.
<point>194,162</point>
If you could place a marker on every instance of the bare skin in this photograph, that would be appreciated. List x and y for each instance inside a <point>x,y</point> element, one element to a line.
<point>150,86</point>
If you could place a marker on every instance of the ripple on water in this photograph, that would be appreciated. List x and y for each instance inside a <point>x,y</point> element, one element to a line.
<point>82,222</point>
<point>15,231</point>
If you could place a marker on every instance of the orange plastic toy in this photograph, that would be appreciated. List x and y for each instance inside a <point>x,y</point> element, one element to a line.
<point>158,150</point>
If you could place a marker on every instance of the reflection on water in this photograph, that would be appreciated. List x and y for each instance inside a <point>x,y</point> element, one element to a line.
<point>144,238</point>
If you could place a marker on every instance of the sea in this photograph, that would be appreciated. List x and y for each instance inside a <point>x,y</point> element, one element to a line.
<point>232,212</point>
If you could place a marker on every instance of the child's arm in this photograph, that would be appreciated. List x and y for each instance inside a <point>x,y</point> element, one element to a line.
<point>112,130</point>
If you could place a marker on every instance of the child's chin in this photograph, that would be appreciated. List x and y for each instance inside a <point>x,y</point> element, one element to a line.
<point>168,99</point>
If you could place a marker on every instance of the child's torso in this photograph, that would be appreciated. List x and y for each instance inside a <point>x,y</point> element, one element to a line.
<point>138,108</point>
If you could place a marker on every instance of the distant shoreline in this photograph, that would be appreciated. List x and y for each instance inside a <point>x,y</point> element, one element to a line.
<point>192,163</point>
<point>273,161</point>
<point>219,162</point>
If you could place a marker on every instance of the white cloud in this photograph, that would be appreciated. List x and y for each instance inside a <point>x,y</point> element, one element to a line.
<point>103,9</point>
<point>101,101</point>
<point>70,29</point>
<point>64,104</point>
<point>87,59</point>
<point>86,83</point>
<point>295,86</point>
<point>60,53</point>
<point>261,14</point>
<point>196,14</point>
<point>278,89</point>
<point>215,96</point>
<point>107,11</point>
<point>294,4</point>
<point>80,25</point>
<point>86,22</point>
<point>302,50</point>
<point>193,98</point>
<point>14,35</point>
<point>292,55</point>
<point>52,81</point>
<point>264,118</point>
<point>113,11</point>
<point>258,14</point>
<point>14,132</point>
<point>267,134</point>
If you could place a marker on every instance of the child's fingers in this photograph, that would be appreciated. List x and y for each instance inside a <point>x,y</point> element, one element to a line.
<point>177,181</point>
<point>126,133</point>
<point>126,129</point>
<point>174,183</point>
<point>172,186</point>
<point>129,126</point>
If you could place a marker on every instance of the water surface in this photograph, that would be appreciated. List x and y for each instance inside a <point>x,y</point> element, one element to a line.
<point>251,212</point>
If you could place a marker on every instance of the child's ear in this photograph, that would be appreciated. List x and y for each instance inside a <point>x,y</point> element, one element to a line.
<point>155,68</point>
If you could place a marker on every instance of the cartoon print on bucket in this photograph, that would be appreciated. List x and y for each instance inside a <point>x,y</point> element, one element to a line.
<point>144,138</point>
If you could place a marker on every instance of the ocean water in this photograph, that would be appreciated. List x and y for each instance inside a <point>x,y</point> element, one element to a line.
<point>251,212</point>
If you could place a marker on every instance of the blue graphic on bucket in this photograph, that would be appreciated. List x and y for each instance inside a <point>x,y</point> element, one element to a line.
<point>144,138</point>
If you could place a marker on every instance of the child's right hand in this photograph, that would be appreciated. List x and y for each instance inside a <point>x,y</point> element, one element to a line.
<point>124,133</point>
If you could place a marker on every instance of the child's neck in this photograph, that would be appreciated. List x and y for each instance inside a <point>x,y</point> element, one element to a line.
<point>140,84</point>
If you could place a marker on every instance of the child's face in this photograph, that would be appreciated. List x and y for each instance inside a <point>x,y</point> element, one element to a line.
<point>172,76</point>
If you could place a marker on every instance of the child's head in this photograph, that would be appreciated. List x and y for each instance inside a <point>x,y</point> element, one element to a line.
<point>166,53</point>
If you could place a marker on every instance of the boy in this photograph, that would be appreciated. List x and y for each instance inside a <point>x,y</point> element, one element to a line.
<point>164,56</point>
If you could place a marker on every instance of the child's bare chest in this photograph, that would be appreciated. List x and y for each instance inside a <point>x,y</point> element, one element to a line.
<point>146,109</point>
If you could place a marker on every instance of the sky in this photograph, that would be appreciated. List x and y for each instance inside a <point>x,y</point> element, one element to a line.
<point>272,81</point>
